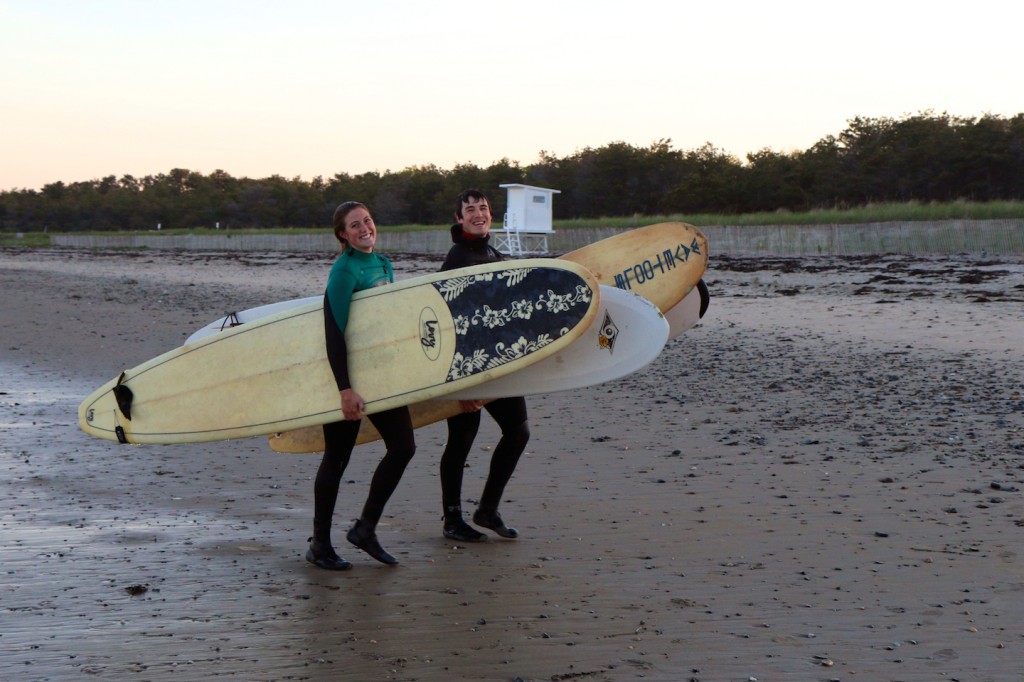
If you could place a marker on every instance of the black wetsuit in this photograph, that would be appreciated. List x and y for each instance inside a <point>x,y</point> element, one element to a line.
<point>509,413</point>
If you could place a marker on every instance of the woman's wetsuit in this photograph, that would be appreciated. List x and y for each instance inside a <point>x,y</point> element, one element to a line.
<point>352,272</point>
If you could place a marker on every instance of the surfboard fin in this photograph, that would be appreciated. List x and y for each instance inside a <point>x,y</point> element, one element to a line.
<point>705,297</point>
<point>124,396</point>
<point>230,320</point>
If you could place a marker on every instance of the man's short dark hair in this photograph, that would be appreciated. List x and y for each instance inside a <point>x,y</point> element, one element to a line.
<point>467,195</point>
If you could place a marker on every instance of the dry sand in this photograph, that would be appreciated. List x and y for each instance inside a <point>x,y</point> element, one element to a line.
<point>822,481</point>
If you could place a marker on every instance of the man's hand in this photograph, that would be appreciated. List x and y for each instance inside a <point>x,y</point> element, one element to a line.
<point>471,405</point>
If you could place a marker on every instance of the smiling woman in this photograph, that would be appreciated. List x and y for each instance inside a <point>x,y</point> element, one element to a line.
<point>357,269</point>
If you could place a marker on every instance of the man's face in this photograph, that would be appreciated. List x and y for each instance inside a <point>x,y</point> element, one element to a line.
<point>476,217</point>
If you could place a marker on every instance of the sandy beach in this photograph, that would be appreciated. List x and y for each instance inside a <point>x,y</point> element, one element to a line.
<point>824,480</point>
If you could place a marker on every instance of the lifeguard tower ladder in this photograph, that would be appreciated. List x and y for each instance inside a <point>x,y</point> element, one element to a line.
<point>527,223</point>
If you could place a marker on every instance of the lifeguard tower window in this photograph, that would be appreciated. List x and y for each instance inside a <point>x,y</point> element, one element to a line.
<point>527,223</point>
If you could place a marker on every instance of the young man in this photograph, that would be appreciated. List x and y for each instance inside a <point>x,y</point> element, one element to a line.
<point>471,234</point>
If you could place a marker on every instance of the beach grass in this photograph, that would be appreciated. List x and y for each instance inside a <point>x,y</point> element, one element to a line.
<point>871,213</point>
<point>868,214</point>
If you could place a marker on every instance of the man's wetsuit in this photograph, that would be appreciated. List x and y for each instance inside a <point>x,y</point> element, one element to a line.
<point>509,413</point>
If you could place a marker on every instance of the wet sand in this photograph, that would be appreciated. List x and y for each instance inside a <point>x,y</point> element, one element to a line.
<point>824,480</point>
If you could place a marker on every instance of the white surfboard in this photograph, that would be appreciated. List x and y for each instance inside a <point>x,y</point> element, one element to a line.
<point>235,319</point>
<point>627,334</point>
<point>687,312</point>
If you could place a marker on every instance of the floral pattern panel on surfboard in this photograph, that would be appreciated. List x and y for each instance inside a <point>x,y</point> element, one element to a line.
<point>536,306</point>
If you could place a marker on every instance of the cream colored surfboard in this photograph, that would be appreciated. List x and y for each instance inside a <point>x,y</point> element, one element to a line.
<point>416,340</point>
<point>628,333</point>
<point>661,262</point>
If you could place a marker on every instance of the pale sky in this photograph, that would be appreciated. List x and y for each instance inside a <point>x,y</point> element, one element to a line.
<point>91,88</point>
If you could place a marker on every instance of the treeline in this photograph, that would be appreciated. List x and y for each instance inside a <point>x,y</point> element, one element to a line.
<point>926,157</point>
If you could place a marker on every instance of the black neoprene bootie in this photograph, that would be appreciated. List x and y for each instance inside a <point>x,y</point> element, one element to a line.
<point>492,520</point>
<point>363,536</point>
<point>322,555</point>
<point>460,531</point>
<point>456,528</point>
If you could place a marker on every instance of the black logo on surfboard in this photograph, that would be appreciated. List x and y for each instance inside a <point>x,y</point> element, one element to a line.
<point>430,340</point>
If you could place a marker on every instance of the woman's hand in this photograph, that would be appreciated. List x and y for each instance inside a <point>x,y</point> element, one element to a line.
<point>352,405</point>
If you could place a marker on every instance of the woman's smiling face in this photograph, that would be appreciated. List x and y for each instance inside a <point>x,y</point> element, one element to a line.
<point>359,230</point>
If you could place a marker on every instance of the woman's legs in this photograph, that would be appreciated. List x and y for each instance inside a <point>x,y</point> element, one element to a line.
<point>339,439</point>
<point>395,426</point>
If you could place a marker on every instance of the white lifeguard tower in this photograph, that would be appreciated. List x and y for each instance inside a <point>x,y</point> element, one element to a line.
<point>527,223</point>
